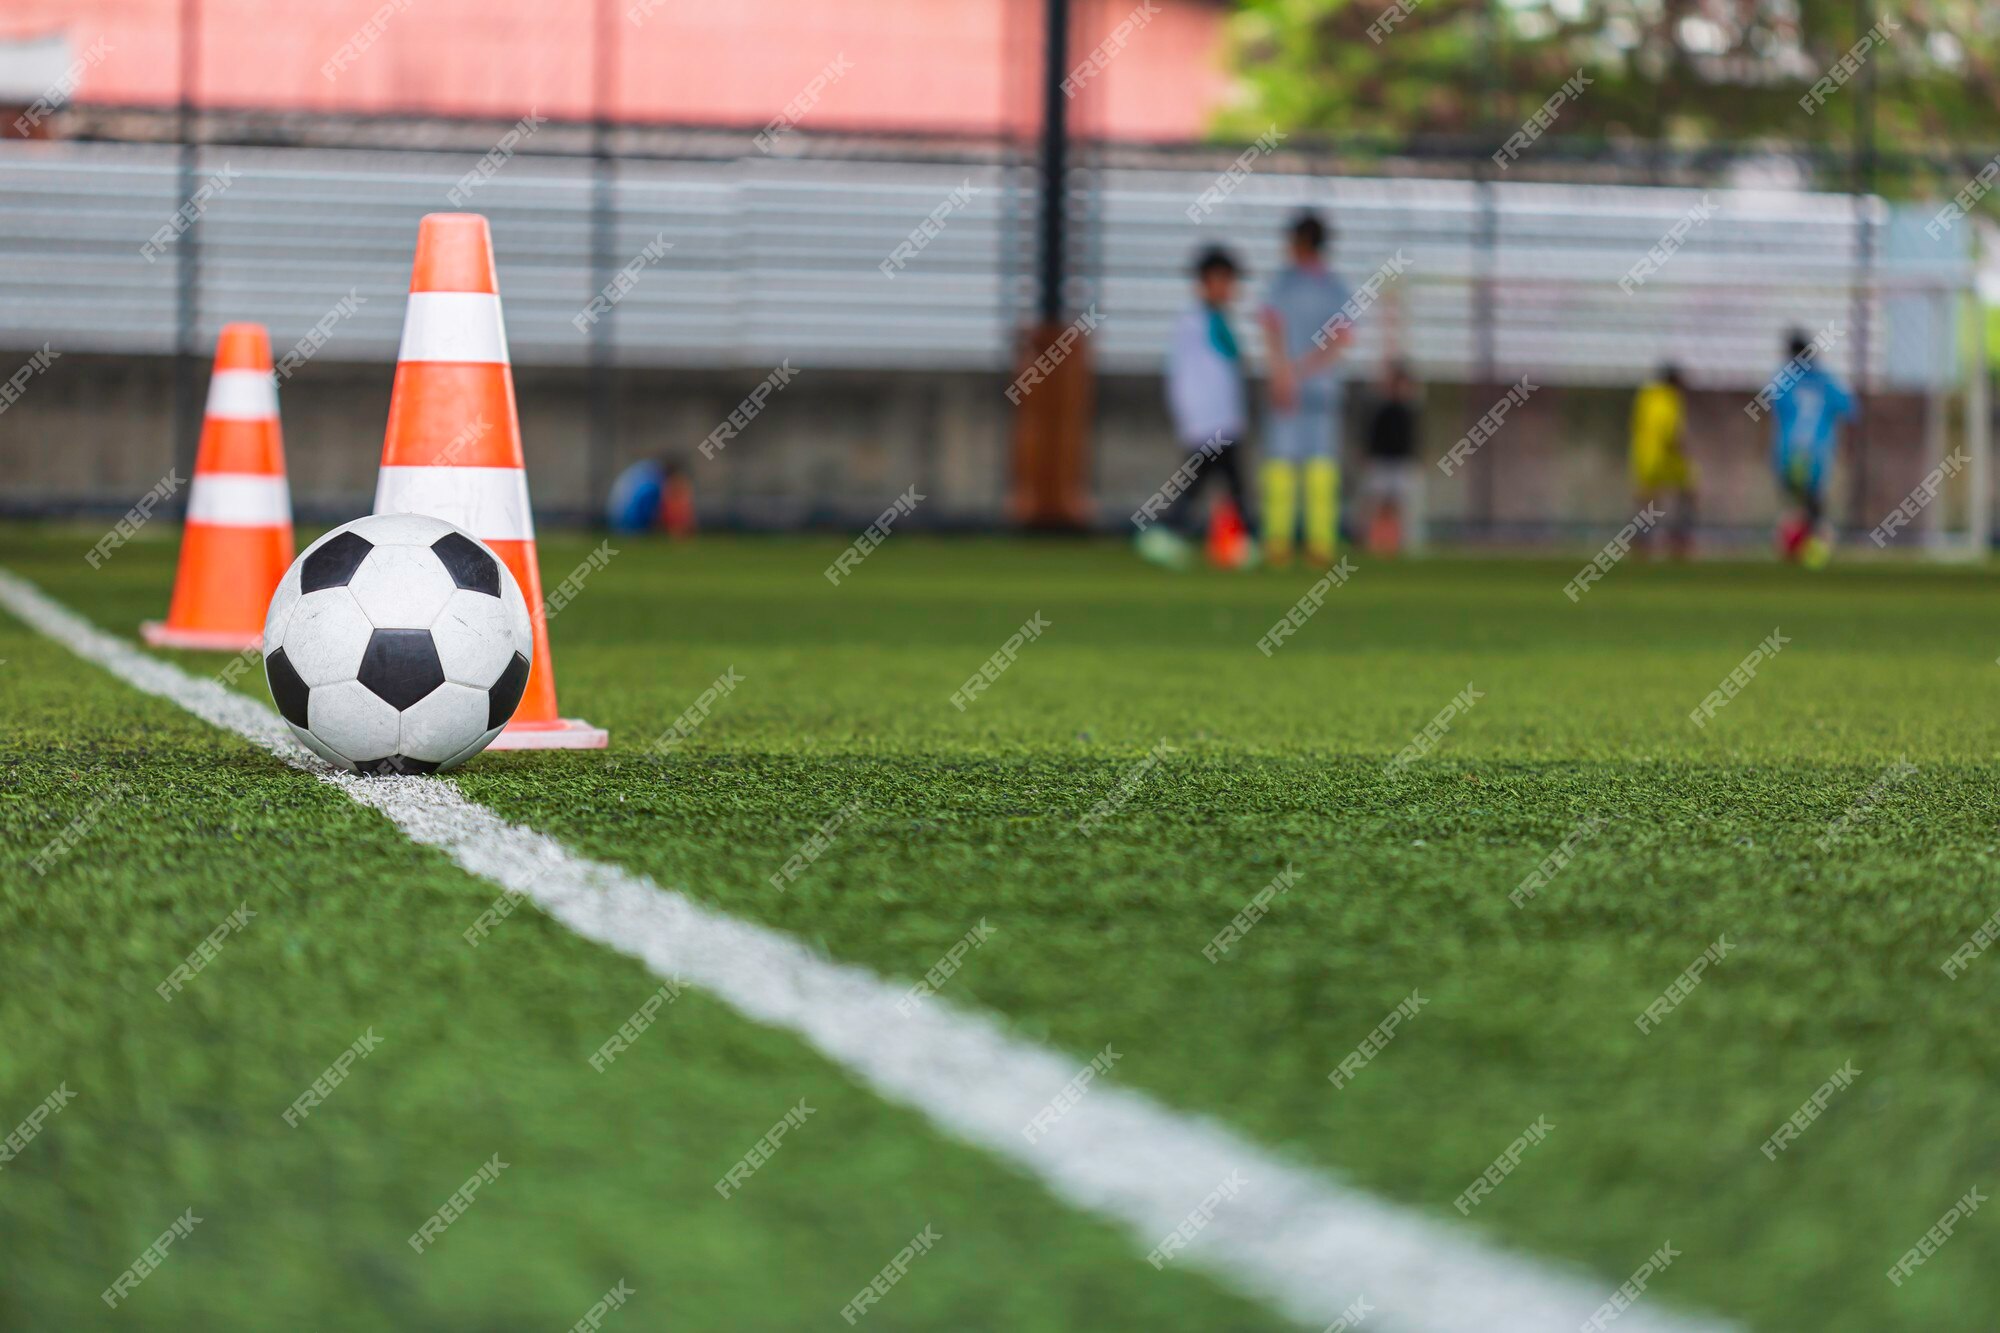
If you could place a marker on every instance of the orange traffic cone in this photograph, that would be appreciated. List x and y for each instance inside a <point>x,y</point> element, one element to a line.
<point>677,505</point>
<point>453,447</point>
<point>1228,543</point>
<point>237,542</point>
<point>1385,531</point>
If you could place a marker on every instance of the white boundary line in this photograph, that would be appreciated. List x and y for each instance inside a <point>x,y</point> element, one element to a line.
<point>1291,1236</point>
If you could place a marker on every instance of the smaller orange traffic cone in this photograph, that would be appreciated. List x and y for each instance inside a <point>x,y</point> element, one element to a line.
<point>237,541</point>
<point>1385,532</point>
<point>453,447</point>
<point>1228,543</point>
<point>677,505</point>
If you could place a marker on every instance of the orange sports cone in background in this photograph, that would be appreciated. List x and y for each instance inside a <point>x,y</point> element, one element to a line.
<point>1228,543</point>
<point>453,448</point>
<point>237,542</point>
<point>677,506</point>
<point>1385,532</point>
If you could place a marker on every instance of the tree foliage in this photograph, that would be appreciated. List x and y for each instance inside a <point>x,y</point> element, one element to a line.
<point>1688,73</point>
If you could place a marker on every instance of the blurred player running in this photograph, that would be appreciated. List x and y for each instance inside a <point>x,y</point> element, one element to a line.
<point>1302,433</point>
<point>1808,407</point>
<point>1660,469</point>
<point>1206,398</point>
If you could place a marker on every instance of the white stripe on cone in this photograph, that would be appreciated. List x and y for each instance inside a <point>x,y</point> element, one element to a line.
<point>454,326</point>
<point>491,503</point>
<point>239,500</point>
<point>243,395</point>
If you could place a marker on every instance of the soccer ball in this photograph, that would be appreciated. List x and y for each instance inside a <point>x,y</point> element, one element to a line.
<point>397,644</point>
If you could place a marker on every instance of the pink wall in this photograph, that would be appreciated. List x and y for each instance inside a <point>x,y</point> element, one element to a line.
<point>960,66</point>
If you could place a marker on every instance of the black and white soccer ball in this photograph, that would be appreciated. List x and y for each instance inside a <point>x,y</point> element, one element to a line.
<point>397,644</point>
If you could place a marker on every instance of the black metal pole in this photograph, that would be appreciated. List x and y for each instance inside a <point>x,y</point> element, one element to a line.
<point>187,254</point>
<point>603,382</point>
<point>1864,108</point>
<point>1054,165</point>
<point>1486,246</point>
<point>1864,259</point>
<point>1656,139</point>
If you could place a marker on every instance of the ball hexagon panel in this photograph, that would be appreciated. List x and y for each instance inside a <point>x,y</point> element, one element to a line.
<point>405,529</point>
<point>484,739</point>
<point>325,637</point>
<point>354,720</point>
<point>321,748</point>
<point>401,587</point>
<point>279,613</point>
<point>474,638</point>
<point>435,727</point>
<point>517,616</point>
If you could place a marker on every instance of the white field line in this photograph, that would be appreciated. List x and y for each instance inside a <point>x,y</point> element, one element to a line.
<point>1292,1237</point>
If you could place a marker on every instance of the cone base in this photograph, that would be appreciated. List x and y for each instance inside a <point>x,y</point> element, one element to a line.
<point>161,635</point>
<point>563,734</point>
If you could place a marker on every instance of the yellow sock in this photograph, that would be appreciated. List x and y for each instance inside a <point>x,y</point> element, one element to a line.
<point>1280,499</point>
<point>1322,507</point>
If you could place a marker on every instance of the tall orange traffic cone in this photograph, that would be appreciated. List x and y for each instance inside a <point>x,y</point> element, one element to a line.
<point>237,542</point>
<point>453,447</point>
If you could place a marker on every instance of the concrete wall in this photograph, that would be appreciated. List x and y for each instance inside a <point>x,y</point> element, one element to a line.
<point>834,448</point>
<point>94,432</point>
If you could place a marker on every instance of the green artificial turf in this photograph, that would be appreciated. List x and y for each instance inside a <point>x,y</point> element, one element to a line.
<point>1403,883</point>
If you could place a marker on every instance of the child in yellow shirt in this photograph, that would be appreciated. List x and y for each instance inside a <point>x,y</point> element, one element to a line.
<point>1660,469</point>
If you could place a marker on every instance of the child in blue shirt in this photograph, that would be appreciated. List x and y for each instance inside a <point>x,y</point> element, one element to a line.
<point>1808,408</point>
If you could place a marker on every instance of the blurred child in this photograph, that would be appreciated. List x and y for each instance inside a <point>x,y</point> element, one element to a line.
<point>1206,399</point>
<point>1306,332</point>
<point>1808,408</point>
<point>1661,473</point>
<point>651,494</point>
<point>1391,483</point>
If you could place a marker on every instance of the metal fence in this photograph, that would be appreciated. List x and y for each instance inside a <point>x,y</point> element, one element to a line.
<point>774,259</point>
